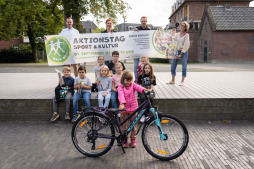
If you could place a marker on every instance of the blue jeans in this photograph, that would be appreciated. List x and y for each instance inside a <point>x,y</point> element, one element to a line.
<point>136,62</point>
<point>184,59</point>
<point>101,98</point>
<point>77,97</point>
<point>114,96</point>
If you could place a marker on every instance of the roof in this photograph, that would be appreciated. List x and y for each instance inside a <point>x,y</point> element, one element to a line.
<point>89,25</point>
<point>234,18</point>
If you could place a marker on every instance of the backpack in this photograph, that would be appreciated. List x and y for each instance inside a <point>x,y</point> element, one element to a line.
<point>61,92</point>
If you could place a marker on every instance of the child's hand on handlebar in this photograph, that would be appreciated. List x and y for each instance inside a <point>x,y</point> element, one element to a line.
<point>121,107</point>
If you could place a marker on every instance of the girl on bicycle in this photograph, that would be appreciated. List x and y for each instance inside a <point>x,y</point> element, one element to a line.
<point>128,100</point>
<point>115,82</point>
<point>104,83</point>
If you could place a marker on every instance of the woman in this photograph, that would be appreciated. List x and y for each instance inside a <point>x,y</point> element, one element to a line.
<point>183,44</point>
<point>109,29</point>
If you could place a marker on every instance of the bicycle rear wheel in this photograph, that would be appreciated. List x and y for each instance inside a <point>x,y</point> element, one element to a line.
<point>86,133</point>
<point>173,146</point>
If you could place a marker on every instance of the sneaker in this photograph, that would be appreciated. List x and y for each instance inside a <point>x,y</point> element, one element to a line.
<point>181,84</point>
<point>54,117</point>
<point>126,145</point>
<point>67,116</point>
<point>171,82</point>
<point>143,118</point>
<point>75,117</point>
<point>133,143</point>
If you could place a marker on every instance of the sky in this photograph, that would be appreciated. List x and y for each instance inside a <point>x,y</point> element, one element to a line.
<point>157,12</point>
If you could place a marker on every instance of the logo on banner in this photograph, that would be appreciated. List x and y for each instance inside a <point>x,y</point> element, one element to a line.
<point>58,49</point>
<point>164,43</point>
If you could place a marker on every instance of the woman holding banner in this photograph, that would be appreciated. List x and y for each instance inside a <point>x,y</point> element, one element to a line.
<point>183,44</point>
<point>109,29</point>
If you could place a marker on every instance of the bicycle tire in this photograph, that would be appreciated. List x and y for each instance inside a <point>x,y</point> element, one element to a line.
<point>177,138</point>
<point>82,138</point>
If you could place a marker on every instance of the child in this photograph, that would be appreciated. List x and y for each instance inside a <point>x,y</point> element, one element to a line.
<point>69,81</point>
<point>128,100</point>
<point>83,85</point>
<point>147,80</point>
<point>115,82</point>
<point>104,83</point>
<point>111,65</point>
<point>101,62</point>
<point>144,60</point>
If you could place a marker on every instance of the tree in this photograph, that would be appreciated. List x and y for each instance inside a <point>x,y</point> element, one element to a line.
<point>100,9</point>
<point>32,18</point>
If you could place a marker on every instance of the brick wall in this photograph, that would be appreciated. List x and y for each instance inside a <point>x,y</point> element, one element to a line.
<point>225,46</point>
<point>7,44</point>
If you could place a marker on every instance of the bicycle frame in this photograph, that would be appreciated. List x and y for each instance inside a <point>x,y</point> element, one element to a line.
<point>144,106</point>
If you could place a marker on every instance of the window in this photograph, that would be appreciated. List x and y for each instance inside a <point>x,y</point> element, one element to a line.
<point>15,46</point>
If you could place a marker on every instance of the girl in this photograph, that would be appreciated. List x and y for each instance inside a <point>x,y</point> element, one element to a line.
<point>100,61</point>
<point>115,82</point>
<point>147,80</point>
<point>104,83</point>
<point>128,100</point>
<point>144,60</point>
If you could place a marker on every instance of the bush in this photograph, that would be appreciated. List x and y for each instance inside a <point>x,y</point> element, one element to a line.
<point>12,55</point>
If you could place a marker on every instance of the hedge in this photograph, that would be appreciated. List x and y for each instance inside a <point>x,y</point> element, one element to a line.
<point>15,56</point>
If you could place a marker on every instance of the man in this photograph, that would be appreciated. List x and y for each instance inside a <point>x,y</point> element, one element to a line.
<point>68,33</point>
<point>143,26</point>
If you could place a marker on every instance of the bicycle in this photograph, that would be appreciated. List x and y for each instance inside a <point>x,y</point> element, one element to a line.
<point>164,136</point>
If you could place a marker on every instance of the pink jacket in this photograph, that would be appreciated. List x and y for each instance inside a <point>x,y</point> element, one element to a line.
<point>128,96</point>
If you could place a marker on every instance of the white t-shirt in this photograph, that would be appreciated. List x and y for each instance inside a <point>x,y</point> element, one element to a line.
<point>69,33</point>
<point>86,81</point>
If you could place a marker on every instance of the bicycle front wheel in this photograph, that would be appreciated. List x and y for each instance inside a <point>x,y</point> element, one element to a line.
<point>87,132</point>
<point>173,146</point>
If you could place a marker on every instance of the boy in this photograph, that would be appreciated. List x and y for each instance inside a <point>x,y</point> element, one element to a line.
<point>111,65</point>
<point>83,84</point>
<point>69,81</point>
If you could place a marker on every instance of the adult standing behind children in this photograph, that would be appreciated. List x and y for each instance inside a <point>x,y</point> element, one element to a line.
<point>68,81</point>
<point>68,33</point>
<point>142,27</point>
<point>183,44</point>
<point>109,29</point>
<point>111,65</point>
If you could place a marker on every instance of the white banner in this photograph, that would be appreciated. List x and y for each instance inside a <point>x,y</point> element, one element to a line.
<point>87,47</point>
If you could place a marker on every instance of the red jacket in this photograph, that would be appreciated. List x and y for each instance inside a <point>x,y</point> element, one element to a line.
<point>128,96</point>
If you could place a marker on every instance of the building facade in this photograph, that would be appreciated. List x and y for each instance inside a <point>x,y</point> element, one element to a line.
<point>192,12</point>
<point>226,35</point>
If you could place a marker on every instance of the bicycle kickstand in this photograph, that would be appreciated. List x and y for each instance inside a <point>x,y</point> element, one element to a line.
<point>122,148</point>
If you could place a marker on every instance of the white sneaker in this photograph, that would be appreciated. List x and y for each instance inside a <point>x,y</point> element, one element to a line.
<point>171,82</point>
<point>143,118</point>
<point>181,84</point>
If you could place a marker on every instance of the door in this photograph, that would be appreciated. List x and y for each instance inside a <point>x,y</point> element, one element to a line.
<point>205,51</point>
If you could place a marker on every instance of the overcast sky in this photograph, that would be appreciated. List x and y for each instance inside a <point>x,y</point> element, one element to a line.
<point>157,12</point>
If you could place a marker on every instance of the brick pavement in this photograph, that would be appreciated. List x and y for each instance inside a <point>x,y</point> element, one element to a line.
<point>214,144</point>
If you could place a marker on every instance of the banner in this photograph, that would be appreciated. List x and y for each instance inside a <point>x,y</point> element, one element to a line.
<point>79,48</point>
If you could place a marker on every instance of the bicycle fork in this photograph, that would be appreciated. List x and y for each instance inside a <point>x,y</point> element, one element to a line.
<point>157,121</point>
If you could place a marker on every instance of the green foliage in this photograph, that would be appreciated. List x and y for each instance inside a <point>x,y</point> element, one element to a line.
<point>12,55</point>
<point>98,30</point>
<point>100,9</point>
<point>32,18</point>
